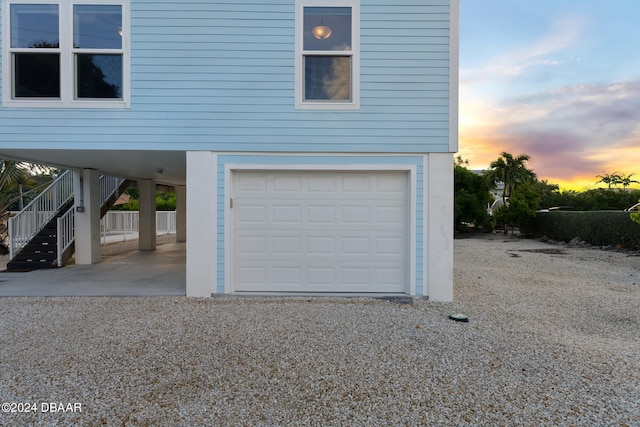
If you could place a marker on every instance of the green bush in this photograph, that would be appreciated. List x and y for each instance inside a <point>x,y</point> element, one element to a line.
<point>635,216</point>
<point>472,197</point>
<point>164,202</point>
<point>600,228</point>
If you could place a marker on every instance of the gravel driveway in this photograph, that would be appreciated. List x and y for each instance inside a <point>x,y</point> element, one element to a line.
<point>553,338</point>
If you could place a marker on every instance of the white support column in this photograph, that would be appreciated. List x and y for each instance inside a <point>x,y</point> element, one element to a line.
<point>87,216</point>
<point>202,168</point>
<point>181,213</point>
<point>147,215</point>
<point>438,230</point>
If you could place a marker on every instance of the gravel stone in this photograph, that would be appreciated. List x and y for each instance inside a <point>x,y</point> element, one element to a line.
<point>553,338</point>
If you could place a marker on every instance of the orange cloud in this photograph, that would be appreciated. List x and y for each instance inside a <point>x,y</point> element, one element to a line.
<point>572,133</point>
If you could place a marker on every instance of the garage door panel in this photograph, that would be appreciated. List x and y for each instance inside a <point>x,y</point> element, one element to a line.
<point>321,214</point>
<point>389,246</point>
<point>355,215</point>
<point>356,245</point>
<point>318,245</point>
<point>356,276</point>
<point>387,276</point>
<point>285,214</point>
<point>389,183</point>
<point>287,276</point>
<point>357,183</point>
<point>290,245</point>
<point>321,276</point>
<point>322,185</point>
<point>320,231</point>
<point>390,215</point>
<point>251,183</point>
<point>287,183</point>
<point>321,246</point>
<point>250,214</point>
<point>251,244</point>
<point>252,276</point>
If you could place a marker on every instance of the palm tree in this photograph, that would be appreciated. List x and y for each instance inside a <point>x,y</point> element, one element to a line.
<point>9,171</point>
<point>627,181</point>
<point>511,171</point>
<point>12,172</point>
<point>610,179</point>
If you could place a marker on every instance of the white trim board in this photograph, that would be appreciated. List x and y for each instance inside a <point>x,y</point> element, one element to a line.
<point>229,228</point>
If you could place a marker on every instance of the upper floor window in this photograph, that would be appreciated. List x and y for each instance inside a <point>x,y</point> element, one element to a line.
<point>65,53</point>
<point>327,54</point>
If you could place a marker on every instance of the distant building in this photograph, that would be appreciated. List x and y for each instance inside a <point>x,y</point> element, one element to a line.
<point>496,192</point>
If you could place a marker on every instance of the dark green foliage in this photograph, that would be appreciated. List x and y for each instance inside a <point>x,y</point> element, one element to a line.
<point>635,216</point>
<point>601,228</point>
<point>511,171</point>
<point>522,206</point>
<point>599,199</point>
<point>471,199</point>
<point>549,193</point>
<point>164,201</point>
<point>26,187</point>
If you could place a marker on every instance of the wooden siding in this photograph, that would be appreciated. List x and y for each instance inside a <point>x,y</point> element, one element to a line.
<point>220,76</point>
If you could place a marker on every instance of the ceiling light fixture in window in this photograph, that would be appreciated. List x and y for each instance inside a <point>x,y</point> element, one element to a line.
<point>321,31</point>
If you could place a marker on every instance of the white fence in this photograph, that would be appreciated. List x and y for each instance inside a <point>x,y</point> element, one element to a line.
<point>117,226</point>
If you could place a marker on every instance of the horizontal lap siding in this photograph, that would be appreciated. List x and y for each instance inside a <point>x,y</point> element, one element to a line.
<point>220,76</point>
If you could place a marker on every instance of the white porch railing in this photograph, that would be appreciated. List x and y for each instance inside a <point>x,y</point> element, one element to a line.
<point>123,225</point>
<point>166,222</point>
<point>29,221</point>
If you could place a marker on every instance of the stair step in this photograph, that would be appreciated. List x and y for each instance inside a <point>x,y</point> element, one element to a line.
<point>35,255</point>
<point>36,258</point>
<point>39,241</point>
<point>29,266</point>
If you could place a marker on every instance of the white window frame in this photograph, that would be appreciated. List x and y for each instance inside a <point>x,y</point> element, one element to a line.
<point>354,103</point>
<point>67,59</point>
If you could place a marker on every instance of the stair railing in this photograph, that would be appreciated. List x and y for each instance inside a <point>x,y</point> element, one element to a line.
<point>108,187</point>
<point>29,221</point>
<point>66,234</point>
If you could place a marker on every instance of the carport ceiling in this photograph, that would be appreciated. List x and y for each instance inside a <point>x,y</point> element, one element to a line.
<point>165,167</point>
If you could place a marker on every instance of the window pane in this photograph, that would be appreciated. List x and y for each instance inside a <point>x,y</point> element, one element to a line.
<point>97,26</point>
<point>327,28</point>
<point>327,78</point>
<point>37,75</point>
<point>99,76</point>
<point>34,25</point>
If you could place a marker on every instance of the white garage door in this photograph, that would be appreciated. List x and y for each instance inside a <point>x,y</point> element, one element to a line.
<point>320,231</point>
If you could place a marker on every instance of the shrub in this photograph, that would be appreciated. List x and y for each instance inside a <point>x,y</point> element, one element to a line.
<point>635,216</point>
<point>600,228</point>
<point>521,207</point>
<point>471,199</point>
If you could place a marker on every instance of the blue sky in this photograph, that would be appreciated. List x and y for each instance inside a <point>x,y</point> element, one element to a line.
<point>556,79</point>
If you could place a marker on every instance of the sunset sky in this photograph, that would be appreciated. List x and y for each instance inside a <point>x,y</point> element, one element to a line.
<point>556,79</point>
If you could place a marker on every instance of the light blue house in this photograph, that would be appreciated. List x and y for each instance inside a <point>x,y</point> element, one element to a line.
<point>310,142</point>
